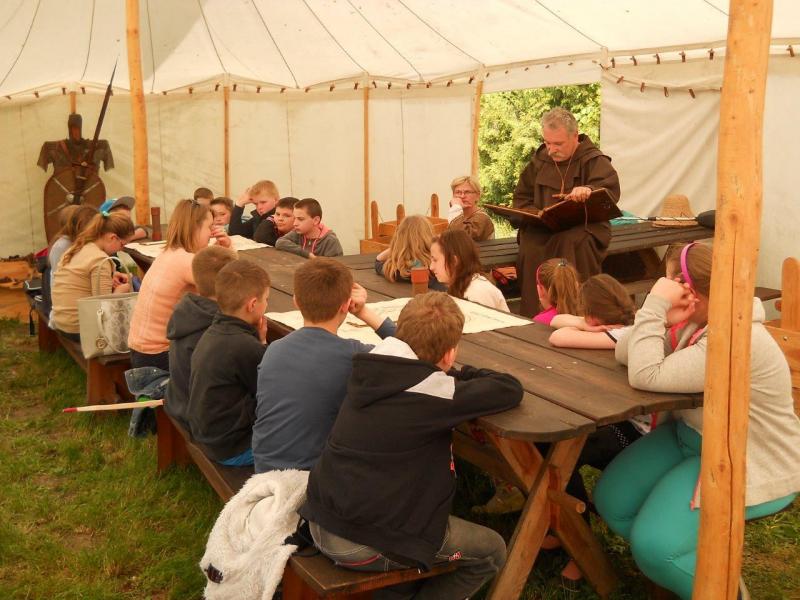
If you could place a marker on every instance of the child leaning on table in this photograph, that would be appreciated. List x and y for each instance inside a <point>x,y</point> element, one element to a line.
<point>302,379</point>
<point>222,382</point>
<point>379,497</point>
<point>192,316</point>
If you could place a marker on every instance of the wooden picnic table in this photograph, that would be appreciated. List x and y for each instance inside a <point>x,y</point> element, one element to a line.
<point>568,394</point>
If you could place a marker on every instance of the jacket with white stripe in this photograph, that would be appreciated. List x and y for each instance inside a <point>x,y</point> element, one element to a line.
<point>386,477</point>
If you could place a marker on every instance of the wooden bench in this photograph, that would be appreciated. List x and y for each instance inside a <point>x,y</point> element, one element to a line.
<point>305,577</point>
<point>105,375</point>
<point>786,330</point>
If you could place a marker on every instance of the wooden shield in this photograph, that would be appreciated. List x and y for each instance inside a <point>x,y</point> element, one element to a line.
<point>58,193</point>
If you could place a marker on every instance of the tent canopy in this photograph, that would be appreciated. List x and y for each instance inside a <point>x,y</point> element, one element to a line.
<point>46,45</point>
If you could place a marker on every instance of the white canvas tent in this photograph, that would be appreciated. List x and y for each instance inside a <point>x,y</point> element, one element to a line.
<point>295,117</point>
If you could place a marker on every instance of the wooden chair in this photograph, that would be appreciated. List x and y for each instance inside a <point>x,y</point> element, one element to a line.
<point>382,232</point>
<point>786,330</point>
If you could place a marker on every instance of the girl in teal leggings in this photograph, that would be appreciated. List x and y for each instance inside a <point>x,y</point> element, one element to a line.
<point>649,494</point>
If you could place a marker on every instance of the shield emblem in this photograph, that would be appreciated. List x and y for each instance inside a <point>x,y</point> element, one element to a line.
<point>59,192</point>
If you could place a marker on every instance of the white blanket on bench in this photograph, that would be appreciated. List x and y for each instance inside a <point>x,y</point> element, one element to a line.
<point>246,543</point>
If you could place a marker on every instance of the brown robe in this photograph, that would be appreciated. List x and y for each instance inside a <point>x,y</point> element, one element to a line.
<point>479,226</point>
<point>583,246</point>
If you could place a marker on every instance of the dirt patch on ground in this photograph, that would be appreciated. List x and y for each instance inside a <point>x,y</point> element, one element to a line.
<point>28,412</point>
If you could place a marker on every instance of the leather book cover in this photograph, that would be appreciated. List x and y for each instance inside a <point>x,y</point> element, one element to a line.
<point>600,206</point>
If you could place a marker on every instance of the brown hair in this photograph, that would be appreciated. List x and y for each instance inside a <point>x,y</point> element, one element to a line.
<point>606,299</point>
<point>461,258</point>
<point>431,324</point>
<point>264,186</point>
<point>206,264</point>
<point>561,283</point>
<point>411,243</point>
<point>119,224</point>
<point>287,202</point>
<point>75,219</point>
<point>186,219</point>
<point>311,206</point>
<point>238,282</point>
<point>321,286</point>
<point>698,263</point>
<point>203,192</point>
<point>223,200</point>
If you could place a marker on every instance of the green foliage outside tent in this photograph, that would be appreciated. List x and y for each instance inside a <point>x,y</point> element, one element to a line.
<point>510,131</point>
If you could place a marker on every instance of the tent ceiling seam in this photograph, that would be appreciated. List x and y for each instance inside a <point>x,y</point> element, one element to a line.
<point>22,46</point>
<point>388,43</point>
<point>715,7</point>
<point>568,24</point>
<point>211,37</point>
<point>434,30</point>
<point>152,49</point>
<point>289,149</point>
<point>277,47</point>
<point>336,41</point>
<point>89,47</point>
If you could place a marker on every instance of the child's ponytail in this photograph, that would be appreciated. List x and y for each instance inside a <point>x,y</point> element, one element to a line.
<point>102,223</point>
<point>561,283</point>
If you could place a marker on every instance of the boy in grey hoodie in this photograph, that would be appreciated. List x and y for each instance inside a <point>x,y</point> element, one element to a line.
<point>310,237</point>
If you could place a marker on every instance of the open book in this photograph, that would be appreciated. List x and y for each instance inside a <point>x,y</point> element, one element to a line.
<point>600,206</point>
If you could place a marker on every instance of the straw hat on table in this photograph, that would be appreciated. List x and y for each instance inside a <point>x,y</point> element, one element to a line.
<point>675,205</point>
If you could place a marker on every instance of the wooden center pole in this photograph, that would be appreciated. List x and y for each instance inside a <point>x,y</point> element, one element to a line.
<point>226,95</point>
<point>366,165</point>
<point>476,127</point>
<point>736,241</point>
<point>141,179</point>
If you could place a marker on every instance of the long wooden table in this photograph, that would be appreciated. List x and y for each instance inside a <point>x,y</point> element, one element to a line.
<point>568,394</point>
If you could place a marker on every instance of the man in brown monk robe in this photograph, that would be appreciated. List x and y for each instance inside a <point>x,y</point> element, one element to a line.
<point>566,163</point>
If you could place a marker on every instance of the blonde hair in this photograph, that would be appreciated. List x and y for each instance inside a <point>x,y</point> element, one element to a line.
<point>265,186</point>
<point>119,224</point>
<point>561,284</point>
<point>75,219</point>
<point>472,181</point>
<point>431,324</point>
<point>411,244</point>
<point>186,219</point>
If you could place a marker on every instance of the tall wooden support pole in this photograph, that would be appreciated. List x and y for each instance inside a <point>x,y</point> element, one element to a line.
<point>226,95</point>
<point>366,164</point>
<point>736,240</point>
<point>141,180</point>
<point>476,127</point>
<point>73,103</point>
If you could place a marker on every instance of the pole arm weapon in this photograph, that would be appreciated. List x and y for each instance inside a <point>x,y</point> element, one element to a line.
<point>83,168</point>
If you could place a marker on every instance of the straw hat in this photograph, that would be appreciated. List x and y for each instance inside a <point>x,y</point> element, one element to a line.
<point>675,205</point>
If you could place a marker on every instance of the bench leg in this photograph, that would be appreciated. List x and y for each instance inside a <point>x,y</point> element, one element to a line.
<point>47,338</point>
<point>100,388</point>
<point>171,447</point>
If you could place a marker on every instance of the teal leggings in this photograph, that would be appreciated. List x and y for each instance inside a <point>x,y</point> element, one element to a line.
<point>644,496</point>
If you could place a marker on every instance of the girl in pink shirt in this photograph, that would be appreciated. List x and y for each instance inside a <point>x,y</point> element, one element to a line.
<point>167,279</point>
<point>557,284</point>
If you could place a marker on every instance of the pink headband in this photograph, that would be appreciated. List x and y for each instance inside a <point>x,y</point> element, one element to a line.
<point>684,267</point>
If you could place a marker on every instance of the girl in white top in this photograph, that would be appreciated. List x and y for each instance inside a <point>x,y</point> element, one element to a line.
<point>455,262</point>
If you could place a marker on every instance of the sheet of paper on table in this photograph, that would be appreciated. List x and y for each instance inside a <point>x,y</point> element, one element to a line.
<point>153,250</point>
<point>477,318</point>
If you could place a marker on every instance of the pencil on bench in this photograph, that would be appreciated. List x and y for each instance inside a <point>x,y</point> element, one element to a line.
<point>120,406</point>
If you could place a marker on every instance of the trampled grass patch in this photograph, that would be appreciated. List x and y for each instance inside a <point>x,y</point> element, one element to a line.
<point>86,517</point>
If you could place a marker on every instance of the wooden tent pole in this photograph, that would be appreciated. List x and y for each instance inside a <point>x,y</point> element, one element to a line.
<point>141,180</point>
<point>476,127</point>
<point>366,165</point>
<point>736,241</point>
<point>226,95</point>
<point>73,103</point>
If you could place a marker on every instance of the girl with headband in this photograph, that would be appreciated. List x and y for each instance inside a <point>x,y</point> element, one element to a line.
<point>650,493</point>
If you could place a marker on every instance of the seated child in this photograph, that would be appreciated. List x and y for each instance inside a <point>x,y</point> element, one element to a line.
<point>608,313</point>
<point>224,367</point>
<point>310,237</point>
<point>557,285</point>
<point>192,316</point>
<point>464,211</point>
<point>203,195</point>
<point>264,194</point>
<point>221,209</point>
<point>303,377</point>
<point>410,246</point>
<point>279,224</point>
<point>86,269</point>
<point>648,492</point>
<point>379,497</point>
<point>456,262</point>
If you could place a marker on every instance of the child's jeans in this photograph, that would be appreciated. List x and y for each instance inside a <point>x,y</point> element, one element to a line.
<point>480,553</point>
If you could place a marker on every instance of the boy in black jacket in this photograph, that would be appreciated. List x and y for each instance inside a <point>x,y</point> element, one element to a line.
<point>380,495</point>
<point>222,399</point>
<point>191,317</point>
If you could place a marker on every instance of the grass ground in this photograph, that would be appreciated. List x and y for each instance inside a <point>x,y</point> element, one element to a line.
<point>84,515</point>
